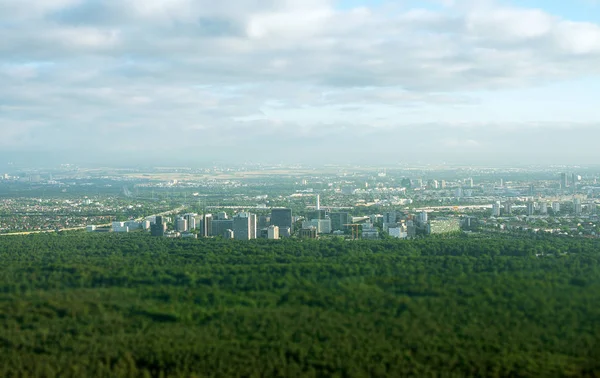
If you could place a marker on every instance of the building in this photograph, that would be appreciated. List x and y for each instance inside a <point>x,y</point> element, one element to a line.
<point>273,232</point>
<point>530,208</point>
<point>443,226</point>
<point>543,208</point>
<point>308,233</point>
<point>369,231</point>
<point>390,217</point>
<point>422,218</point>
<point>496,209</point>
<point>253,226</point>
<point>181,224</point>
<point>317,214</point>
<point>158,228</point>
<point>285,232</point>
<point>398,232</point>
<point>323,226</point>
<point>220,226</point>
<point>338,220</point>
<point>469,182</point>
<point>222,215</point>
<point>264,221</point>
<point>556,207</point>
<point>411,229</point>
<point>119,227</point>
<point>563,181</point>
<point>244,226</point>
<point>228,234</point>
<point>507,208</point>
<point>90,228</point>
<point>191,221</point>
<point>470,223</point>
<point>577,208</point>
<point>282,218</point>
<point>206,226</point>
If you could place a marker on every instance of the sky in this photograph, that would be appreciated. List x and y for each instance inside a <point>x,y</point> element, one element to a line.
<point>312,81</point>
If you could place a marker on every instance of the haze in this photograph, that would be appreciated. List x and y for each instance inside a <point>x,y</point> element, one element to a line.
<point>160,82</point>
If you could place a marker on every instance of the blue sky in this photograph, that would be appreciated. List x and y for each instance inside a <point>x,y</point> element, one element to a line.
<point>438,80</point>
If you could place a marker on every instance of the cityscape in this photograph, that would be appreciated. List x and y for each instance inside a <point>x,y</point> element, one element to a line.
<point>299,188</point>
<point>273,202</point>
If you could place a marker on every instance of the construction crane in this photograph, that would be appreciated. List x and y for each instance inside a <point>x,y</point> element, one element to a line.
<point>355,230</point>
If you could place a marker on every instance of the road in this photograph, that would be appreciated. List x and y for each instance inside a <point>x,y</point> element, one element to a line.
<point>99,225</point>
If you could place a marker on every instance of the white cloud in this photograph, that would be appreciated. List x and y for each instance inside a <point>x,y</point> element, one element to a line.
<point>173,70</point>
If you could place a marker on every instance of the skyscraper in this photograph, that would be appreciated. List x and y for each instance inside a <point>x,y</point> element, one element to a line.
<point>338,220</point>
<point>244,226</point>
<point>530,208</point>
<point>496,209</point>
<point>281,218</point>
<point>158,228</point>
<point>206,229</point>
<point>220,226</point>
<point>181,224</point>
<point>577,206</point>
<point>563,180</point>
<point>191,221</point>
<point>507,208</point>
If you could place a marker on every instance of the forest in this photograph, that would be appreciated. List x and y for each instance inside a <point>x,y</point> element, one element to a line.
<point>128,305</point>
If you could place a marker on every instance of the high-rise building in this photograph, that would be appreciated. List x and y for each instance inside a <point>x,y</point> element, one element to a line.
<point>181,224</point>
<point>543,208</point>
<point>253,224</point>
<point>244,226</point>
<point>220,226</point>
<point>282,218</point>
<point>422,219</point>
<point>530,208</point>
<point>221,215</point>
<point>318,205</point>
<point>191,221</point>
<point>206,226</point>
<point>496,209</point>
<point>158,228</point>
<point>556,207</point>
<point>264,221</point>
<point>273,232</point>
<point>390,217</point>
<point>563,181</point>
<point>507,208</point>
<point>317,214</point>
<point>338,220</point>
<point>577,208</point>
<point>470,182</point>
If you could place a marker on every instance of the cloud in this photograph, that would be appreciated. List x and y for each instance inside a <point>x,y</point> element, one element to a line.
<point>133,75</point>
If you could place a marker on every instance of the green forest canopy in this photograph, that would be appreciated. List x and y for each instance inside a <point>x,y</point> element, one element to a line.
<point>131,305</point>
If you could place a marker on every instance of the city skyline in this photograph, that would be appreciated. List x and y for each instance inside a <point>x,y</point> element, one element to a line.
<point>489,82</point>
